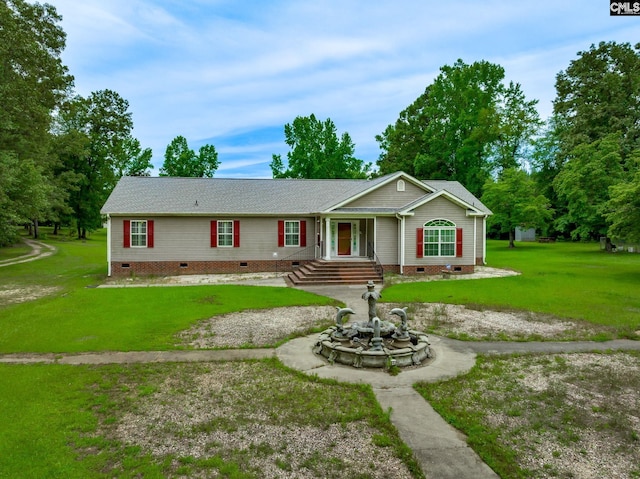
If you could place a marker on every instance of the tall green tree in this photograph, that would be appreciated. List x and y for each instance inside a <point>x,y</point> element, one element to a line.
<point>33,83</point>
<point>515,202</point>
<point>132,160</point>
<point>402,142</point>
<point>180,160</point>
<point>623,209</point>
<point>599,94</point>
<point>583,184</point>
<point>465,126</point>
<point>518,123</point>
<point>100,126</point>
<point>597,112</point>
<point>317,152</point>
<point>546,162</point>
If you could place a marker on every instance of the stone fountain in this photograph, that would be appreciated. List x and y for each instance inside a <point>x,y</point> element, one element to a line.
<point>374,343</point>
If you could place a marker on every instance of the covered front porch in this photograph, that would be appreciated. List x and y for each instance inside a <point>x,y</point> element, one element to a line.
<point>347,238</point>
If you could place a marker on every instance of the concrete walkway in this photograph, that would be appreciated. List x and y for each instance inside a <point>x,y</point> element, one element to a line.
<point>440,449</point>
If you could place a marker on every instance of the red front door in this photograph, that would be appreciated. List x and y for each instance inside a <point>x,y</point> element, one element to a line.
<point>344,239</point>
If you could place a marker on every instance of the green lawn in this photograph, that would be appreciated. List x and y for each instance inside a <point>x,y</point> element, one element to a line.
<point>571,280</point>
<point>43,409</point>
<point>78,318</point>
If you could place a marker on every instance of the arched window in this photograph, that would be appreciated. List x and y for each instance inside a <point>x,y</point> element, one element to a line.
<point>439,238</point>
<point>400,185</point>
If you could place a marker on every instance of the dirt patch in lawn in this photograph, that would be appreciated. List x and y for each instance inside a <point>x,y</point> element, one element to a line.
<point>464,322</point>
<point>10,294</point>
<point>203,420</point>
<point>259,328</point>
<point>256,328</point>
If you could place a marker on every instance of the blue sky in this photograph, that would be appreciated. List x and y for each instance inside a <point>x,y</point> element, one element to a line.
<point>233,73</point>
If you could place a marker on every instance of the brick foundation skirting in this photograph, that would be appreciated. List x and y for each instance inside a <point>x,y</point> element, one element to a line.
<point>175,268</point>
<point>437,269</point>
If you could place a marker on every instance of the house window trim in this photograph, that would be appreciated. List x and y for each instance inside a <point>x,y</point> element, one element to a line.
<point>220,235</point>
<point>439,225</point>
<point>298,235</point>
<point>133,234</point>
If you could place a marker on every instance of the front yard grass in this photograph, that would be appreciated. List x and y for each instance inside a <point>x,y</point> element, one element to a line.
<point>72,316</point>
<point>130,319</point>
<point>241,420</point>
<point>567,280</point>
<point>541,416</point>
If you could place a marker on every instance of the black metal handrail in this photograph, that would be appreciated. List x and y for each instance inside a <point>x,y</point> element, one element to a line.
<point>371,254</point>
<point>298,255</point>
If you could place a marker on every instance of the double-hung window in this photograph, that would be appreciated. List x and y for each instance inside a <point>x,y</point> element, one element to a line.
<point>139,233</point>
<point>439,238</point>
<point>292,233</point>
<point>225,233</point>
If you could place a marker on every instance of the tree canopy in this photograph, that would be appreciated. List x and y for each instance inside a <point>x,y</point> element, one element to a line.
<point>623,209</point>
<point>317,152</point>
<point>597,119</point>
<point>180,160</point>
<point>33,83</point>
<point>99,149</point>
<point>465,126</point>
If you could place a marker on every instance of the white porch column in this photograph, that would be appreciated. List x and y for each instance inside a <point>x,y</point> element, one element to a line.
<point>327,239</point>
<point>484,240</point>
<point>108,245</point>
<point>402,242</point>
<point>475,240</point>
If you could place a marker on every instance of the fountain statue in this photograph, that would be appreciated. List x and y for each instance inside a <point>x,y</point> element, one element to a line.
<point>373,343</point>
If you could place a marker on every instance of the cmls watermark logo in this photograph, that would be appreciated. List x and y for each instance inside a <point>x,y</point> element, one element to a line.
<point>623,8</point>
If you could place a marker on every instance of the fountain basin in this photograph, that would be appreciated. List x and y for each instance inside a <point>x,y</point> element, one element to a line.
<point>400,353</point>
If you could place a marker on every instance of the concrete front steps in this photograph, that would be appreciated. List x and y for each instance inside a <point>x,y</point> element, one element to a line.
<point>335,272</point>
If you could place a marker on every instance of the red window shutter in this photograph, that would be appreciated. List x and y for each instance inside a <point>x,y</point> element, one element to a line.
<point>459,242</point>
<point>419,242</point>
<point>214,234</point>
<point>303,233</point>
<point>280,233</point>
<point>127,234</point>
<point>149,233</point>
<point>236,233</point>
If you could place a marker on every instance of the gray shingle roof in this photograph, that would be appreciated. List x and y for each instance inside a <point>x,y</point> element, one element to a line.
<point>170,195</point>
<point>456,189</point>
<point>206,196</point>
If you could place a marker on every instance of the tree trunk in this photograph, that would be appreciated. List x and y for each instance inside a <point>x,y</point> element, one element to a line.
<point>56,227</point>
<point>36,230</point>
<point>511,238</point>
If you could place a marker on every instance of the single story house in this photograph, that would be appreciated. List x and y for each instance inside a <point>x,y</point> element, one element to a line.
<point>167,225</point>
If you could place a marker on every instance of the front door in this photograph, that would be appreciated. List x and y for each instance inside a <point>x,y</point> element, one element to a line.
<point>344,239</point>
